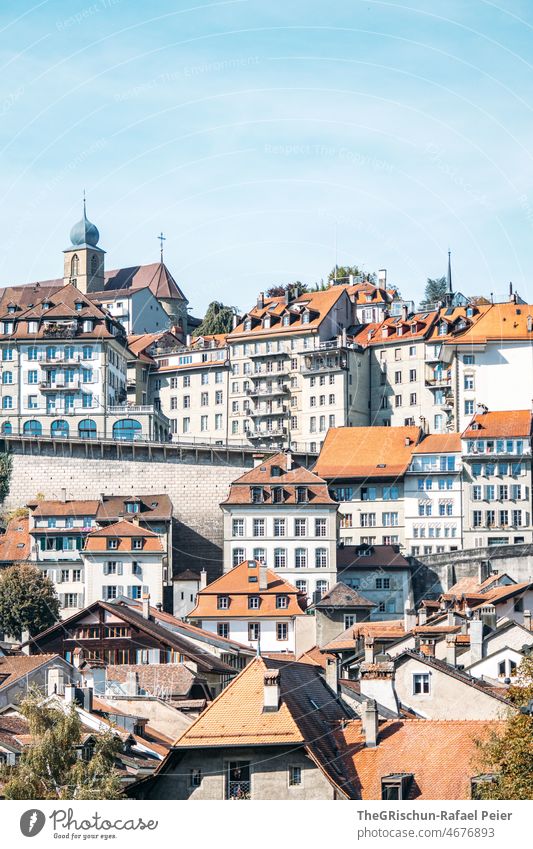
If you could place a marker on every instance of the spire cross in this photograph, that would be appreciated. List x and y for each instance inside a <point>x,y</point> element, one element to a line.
<point>161,240</point>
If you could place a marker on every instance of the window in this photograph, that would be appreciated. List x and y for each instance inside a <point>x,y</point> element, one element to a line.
<point>300,558</point>
<point>137,544</point>
<point>253,602</point>
<point>320,527</point>
<point>258,527</point>
<point>112,544</point>
<point>238,527</point>
<point>368,520</point>
<point>254,631</point>
<point>279,527</point>
<point>321,558</point>
<point>282,631</point>
<point>383,583</point>
<point>301,494</point>
<point>391,493</point>
<point>469,383</point>
<point>259,554</point>
<point>282,602</point>
<point>397,377</point>
<point>412,375</point>
<point>277,494</point>
<point>222,602</point>
<point>300,527</point>
<point>295,776</point>
<point>420,683</point>
<point>204,399</point>
<point>239,556</point>
<point>469,408</point>
<point>195,777</point>
<point>280,558</point>
<point>390,520</point>
<point>223,629</point>
<point>204,423</point>
<point>257,495</point>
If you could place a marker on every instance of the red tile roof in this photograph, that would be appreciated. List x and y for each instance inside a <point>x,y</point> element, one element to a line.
<point>498,323</point>
<point>366,452</point>
<point>125,532</point>
<point>439,443</point>
<point>15,543</point>
<point>262,475</point>
<point>318,303</point>
<point>497,423</point>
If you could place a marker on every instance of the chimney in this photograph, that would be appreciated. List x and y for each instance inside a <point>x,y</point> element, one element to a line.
<point>450,618</point>
<point>527,619</point>
<point>24,637</point>
<point>377,682</point>
<point>369,723</point>
<point>203,579</point>
<point>510,290</point>
<point>331,674</point>
<point>405,312</point>
<point>263,580</point>
<point>55,682</point>
<point>260,300</point>
<point>344,337</point>
<point>451,649</point>
<point>382,278</point>
<point>145,603</point>
<point>70,694</point>
<point>188,340</point>
<point>409,617</point>
<point>234,321</point>
<point>289,461</point>
<point>487,614</point>
<point>427,647</point>
<point>407,441</point>
<point>476,640</point>
<point>87,703</point>
<point>131,683</point>
<point>102,497</point>
<point>63,494</point>
<point>422,616</point>
<point>271,690</point>
<point>369,649</point>
<point>287,297</point>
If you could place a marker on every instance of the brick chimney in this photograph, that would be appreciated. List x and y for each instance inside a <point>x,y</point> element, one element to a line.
<point>476,640</point>
<point>263,578</point>
<point>369,723</point>
<point>203,579</point>
<point>271,690</point>
<point>331,674</point>
<point>145,603</point>
<point>427,647</point>
<point>451,649</point>
<point>369,650</point>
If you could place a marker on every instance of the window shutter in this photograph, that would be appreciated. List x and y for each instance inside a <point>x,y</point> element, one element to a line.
<point>62,599</point>
<point>58,576</point>
<point>130,592</point>
<point>146,590</point>
<point>106,568</point>
<point>120,590</point>
<point>119,568</point>
<point>104,593</point>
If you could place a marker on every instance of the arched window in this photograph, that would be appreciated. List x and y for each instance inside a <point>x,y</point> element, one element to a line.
<point>7,377</point>
<point>60,429</point>
<point>7,402</point>
<point>127,429</point>
<point>94,264</point>
<point>32,428</point>
<point>87,429</point>
<point>74,266</point>
<point>7,428</point>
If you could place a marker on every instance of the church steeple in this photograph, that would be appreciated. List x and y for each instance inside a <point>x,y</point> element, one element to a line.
<point>449,287</point>
<point>84,260</point>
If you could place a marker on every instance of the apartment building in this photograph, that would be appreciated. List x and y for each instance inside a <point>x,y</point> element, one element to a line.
<point>59,530</point>
<point>255,606</point>
<point>365,469</point>
<point>190,385</point>
<point>486,358</point>
<point>141,363</point>
<point>294,372</point>
<point>433,496</point>
<point>282,515</point>
<point>496,449</point>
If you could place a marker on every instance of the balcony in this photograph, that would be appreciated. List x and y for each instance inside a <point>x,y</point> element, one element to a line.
<point>273,433</point>
<point>59,386</point>
<point>60,330</point>
<point>49,362</point>
<point>443,382</point>
<point>269,390</point>
<point>268,354</point>
<point>316,362</point>
<point>260,412</point>
<point>125,410</point>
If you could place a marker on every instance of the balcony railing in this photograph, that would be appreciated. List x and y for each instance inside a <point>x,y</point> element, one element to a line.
<point>263,391</point>
<point>238,790</point>
<point>125,409</point>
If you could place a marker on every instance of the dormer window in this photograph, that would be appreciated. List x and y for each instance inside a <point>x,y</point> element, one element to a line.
<point>286,320</point>
<point>396,786</point>
<point>267,321</point>
<point>11,308</point>
<point>33,326</point>
<point>132,507</point>
<point>79,306</point>
<point>222,602</point>
<point>443,328</point>
<point>469,312</point>
<point>306,317</point>
<point>112,544</point>
<point>282,602</point>
<point>46,305</point>
<point>248,325</point>
<point>275,471</point>
<point>277,494</point>
<point>88,325</point>
<point>302,494</point>
<point>8,327</point>
<point>137,544</point>
<point>253,602</point>
<point>258,495</point>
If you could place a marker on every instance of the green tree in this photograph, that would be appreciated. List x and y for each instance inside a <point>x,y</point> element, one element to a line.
<point>435,290</point>
<point>343,273</point>
<point>28,601</point>
<point>218,319</point>
<point>294,289</point>
<point>49,767</point>
<point>508,756</point>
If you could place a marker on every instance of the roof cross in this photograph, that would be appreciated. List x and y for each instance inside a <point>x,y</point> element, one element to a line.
<point>161,240</point>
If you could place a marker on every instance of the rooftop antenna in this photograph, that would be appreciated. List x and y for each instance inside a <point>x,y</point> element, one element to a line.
<point>84,202</point>
<point>161,240</point>
<point>335,278</point>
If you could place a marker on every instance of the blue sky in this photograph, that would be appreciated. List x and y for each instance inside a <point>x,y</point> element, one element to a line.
<point>251,132</point>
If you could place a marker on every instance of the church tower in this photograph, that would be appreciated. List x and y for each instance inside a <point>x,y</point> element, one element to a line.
<point>84,260</point>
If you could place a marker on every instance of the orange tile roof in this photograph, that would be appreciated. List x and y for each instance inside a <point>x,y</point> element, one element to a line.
<point>499,423</point>
<point>261,474</point>
<point>15,543</point>
<point>358,294</point>
<point>387,331</point>
<point>502,593</point>
<point>78,509</point>
<point>218,338</point>
<point>498,323</point>
<point>440,754</point>
<point>236,585</point>
<point>139,343</point>
<point>386,629</point>
<point>457,320</point>
<point>125,532</point>
<point>439,443</point>
<point>366,452</point>
<point>319,303</point>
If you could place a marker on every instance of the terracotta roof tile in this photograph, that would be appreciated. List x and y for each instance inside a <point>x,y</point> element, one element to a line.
<point>439,443</point>
<point>13,667</point>
<point>366,452</point>
<point>15,543</point>
<point>262,475</point>
<point>319,303</point>
<point>506,423</point>
<point>125,533</point>
<point>498,323</point>
<point>343,596</point>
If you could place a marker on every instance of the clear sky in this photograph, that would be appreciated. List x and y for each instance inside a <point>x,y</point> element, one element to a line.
<point>252,131</point>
